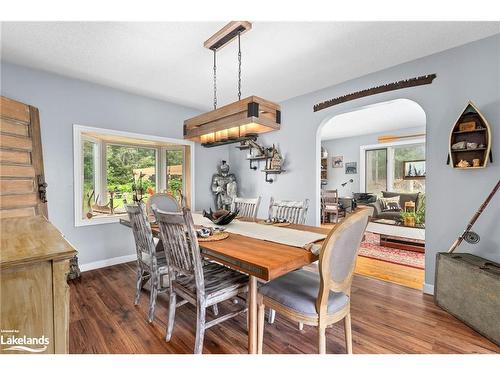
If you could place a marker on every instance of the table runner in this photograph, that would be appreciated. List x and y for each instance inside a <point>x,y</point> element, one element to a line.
<point>285,236</point>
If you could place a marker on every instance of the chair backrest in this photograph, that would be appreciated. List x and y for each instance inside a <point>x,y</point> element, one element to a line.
<point>248,207</point>
<point>141,228</point>
<point>338,255</point>
<point>330,197</point>
<point>293,211</point>
<point>162,201</point>
<point>181,244</point>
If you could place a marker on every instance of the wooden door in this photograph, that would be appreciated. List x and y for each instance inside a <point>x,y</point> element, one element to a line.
<point>22,182</point>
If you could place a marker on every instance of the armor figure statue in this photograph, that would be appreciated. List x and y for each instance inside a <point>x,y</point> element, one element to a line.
<point>224,187</point>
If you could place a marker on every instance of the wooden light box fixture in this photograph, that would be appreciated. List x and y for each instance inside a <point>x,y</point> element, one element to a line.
<point>238,121</point>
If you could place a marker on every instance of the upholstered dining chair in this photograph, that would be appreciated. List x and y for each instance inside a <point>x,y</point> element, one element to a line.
<point>151,261</point>
<point>162,201</point>
<point>330,205</point>
<point>248,207</point>
<point>319,299</point>
<point>199,283</point>
<point>293,211</point>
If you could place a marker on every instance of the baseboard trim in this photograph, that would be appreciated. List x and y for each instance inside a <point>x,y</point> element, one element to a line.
<point>428,289</point>
<point>107,262</point>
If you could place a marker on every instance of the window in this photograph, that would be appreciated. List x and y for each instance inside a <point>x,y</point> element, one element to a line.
<point>175,171</point>
<point>382,167</point>
<point>113,167</point>
<point>376,170</point>
<point>402,154</point>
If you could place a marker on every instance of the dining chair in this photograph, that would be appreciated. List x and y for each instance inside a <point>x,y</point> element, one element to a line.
<point>199,283</point>
<point>330,205</point>
<point>151,261</point>
<point>293,211</point>
<point>248,207</point>
<point>319,299</point>
<point>162,201</point>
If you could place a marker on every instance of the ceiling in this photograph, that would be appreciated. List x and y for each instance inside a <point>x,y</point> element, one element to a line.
<point>281,60</point>
<point>377,118</point>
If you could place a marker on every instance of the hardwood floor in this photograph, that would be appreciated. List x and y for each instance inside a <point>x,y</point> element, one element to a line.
<point>386,318</point>
<point>394,273</point>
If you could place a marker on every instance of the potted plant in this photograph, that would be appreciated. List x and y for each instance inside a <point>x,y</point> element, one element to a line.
<point>409,218</point>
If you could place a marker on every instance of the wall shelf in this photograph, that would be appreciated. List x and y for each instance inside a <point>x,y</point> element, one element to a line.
<point>470,127</point>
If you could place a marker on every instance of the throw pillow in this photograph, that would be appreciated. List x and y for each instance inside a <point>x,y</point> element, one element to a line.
<point>390,204</point>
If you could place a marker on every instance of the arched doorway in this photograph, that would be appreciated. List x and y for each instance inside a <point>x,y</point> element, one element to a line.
<point>379,150</point>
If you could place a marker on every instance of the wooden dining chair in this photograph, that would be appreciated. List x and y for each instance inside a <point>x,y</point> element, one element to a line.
<point>248,207</point>
<point>293,211</point>
<point>199,283</point>
<point>330,205</point>
<point>151,261</point>
<point>162,201</point>
<point>319,299</point>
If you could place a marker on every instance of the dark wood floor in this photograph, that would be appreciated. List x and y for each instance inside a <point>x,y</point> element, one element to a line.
<point>386,318</point>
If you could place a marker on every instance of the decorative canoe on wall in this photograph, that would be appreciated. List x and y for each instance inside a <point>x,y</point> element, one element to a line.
<point>470,140</point>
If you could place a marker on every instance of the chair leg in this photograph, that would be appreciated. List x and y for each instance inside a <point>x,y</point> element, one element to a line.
<point>215,309</point>
<point>261,312</point>
<point>171,315</point>
<point>271,315</point>
<point>152,296</point>
<point>322,339</point>
<point>200,328</point>
<point>348,333</point>
<point>138,286</point>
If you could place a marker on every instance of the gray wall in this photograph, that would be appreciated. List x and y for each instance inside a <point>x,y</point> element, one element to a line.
<point>349,148</point>
<point>469,72</point>
<point>63,102</point>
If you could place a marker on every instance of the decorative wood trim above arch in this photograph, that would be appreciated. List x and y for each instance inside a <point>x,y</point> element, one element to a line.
<point>411,82</point>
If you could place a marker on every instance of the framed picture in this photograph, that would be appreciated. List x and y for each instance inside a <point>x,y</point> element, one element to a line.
<point>414,169</point>
<point>351,167</point>
<point>337,161</point>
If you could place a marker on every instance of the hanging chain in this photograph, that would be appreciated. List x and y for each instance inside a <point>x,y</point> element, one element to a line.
<point>239,66</point>
<point>215,79</point>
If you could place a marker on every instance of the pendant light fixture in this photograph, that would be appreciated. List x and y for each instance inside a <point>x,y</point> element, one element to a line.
<point>238,121</point>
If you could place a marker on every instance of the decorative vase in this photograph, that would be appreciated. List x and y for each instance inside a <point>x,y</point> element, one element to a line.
<point>409,221</point>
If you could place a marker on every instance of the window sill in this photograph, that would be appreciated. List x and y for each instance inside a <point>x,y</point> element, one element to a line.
<point>100,220</point>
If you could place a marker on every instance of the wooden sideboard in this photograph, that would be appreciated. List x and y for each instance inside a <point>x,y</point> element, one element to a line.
<point>34,294</point>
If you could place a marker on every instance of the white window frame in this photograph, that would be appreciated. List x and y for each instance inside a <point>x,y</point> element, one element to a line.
<point>79,136</point>
<point>390,160</point>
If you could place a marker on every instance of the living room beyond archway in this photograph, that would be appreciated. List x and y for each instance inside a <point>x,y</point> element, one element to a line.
<point>375,156</point>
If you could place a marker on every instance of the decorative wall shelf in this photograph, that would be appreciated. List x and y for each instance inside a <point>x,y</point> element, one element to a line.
<point>470,140</point>
<point>270,155</point>
<point>271,171</point>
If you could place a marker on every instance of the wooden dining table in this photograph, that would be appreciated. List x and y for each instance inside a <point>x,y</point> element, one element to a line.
<point>259,259</point>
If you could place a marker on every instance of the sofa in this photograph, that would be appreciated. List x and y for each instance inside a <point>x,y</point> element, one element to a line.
<point>393,215</point>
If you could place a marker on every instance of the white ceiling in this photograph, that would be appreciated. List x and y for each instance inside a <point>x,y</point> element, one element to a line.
<point>280,59</point>
<point>377,118</point>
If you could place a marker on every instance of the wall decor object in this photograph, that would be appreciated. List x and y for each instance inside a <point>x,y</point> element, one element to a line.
<point>414,169</point>
<point>274,163</point>
<point>238,121</point>
<point>468,235</point>
<point>351,167</point>
<point>470,139</point>
<point>224,187</point>
<point>337,161</point>
<point>405,83</point>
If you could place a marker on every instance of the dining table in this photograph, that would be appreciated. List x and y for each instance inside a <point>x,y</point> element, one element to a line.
<point>261,260</point>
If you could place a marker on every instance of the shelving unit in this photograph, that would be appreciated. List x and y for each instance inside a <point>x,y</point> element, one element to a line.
<point>324,171</point>
<point>480,134</point>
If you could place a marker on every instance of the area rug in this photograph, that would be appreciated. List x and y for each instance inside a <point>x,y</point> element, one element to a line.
<point>370,248</point>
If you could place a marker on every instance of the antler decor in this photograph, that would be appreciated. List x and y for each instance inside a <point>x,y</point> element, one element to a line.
<point>411,82</point>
